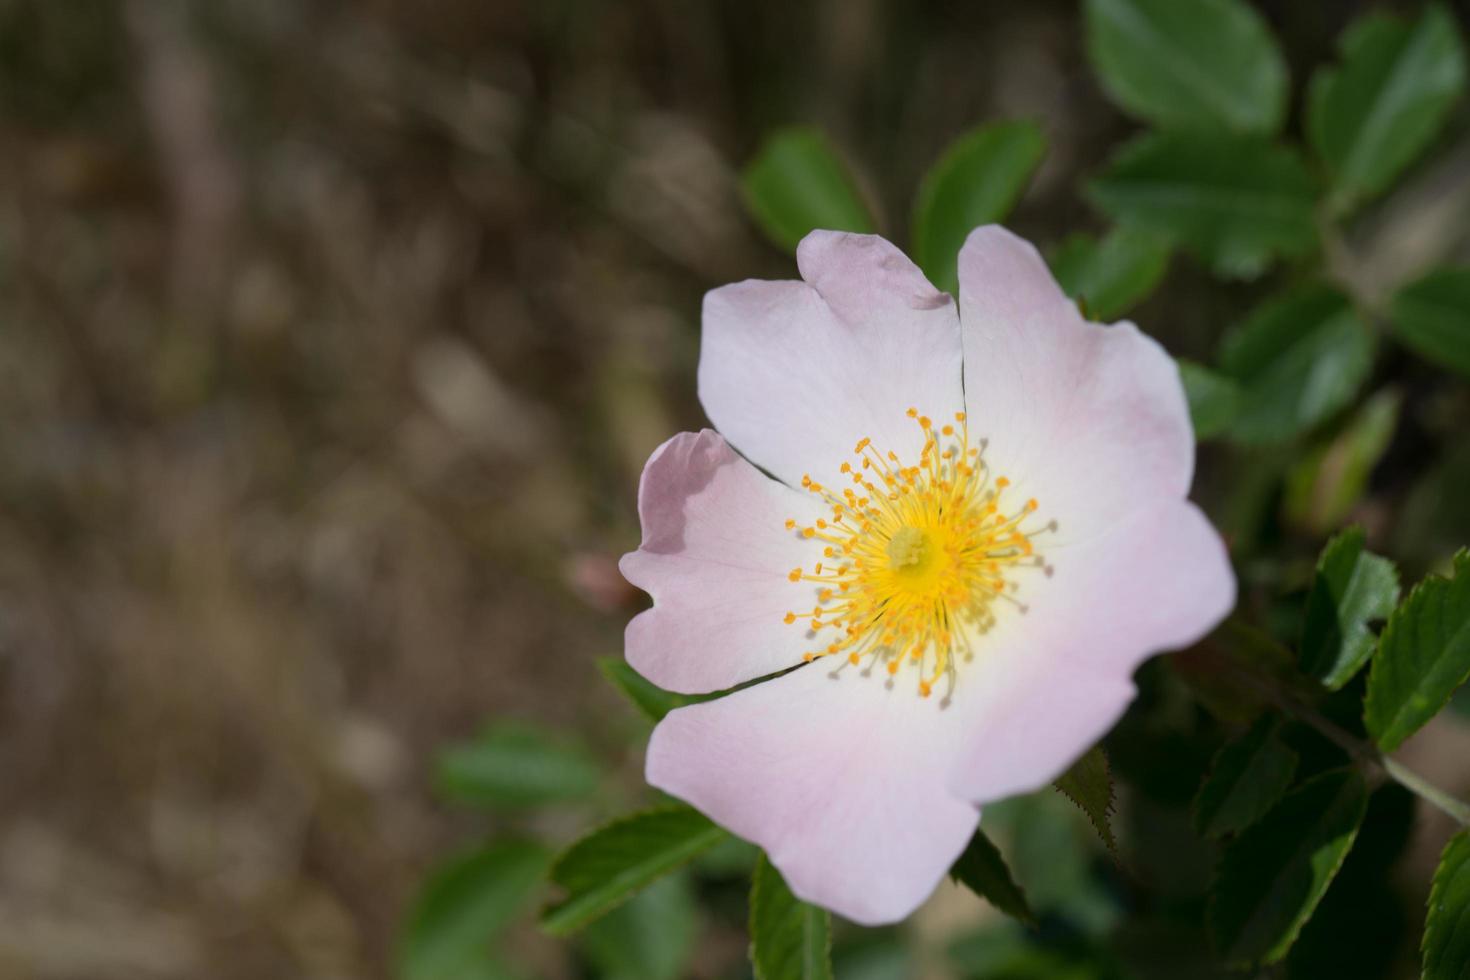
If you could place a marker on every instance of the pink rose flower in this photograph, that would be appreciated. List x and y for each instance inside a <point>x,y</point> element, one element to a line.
<point>974,529</point>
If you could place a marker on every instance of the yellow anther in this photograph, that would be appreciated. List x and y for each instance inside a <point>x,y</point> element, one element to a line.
<point>926,559</point>
<point>790,524</point>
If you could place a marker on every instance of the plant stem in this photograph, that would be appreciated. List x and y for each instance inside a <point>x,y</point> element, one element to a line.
<point>1360,750</point>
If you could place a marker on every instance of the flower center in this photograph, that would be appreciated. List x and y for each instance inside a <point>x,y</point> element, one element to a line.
<point>916,559</point>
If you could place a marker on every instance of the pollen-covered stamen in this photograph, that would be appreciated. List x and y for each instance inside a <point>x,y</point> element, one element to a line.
<point>915,558</point>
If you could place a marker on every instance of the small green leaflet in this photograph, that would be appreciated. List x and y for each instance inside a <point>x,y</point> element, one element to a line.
<point>976,182</point>
<point>1370,117</point>
<point>1272,876</point>
<point>465,902</point>
<point>982,870</point>
<point>515,765</point>
<point>1446,944</point>
<point>1431,316</point>
<point>1423,656</point>
<point>798,183</point>
<point>1089,784</point>
<point>789,939</point>
<point>1109,277</point>
<point>1324,487</point>
<point>1214,400</point>
<point>1298,358</point>
<point>1235,202</point>
<point>647,696</point>
<point>614,862</point>
<point>1203,65</point>
<point>1247,778</point>
<point>1352,588</point>
<point>650,937</point>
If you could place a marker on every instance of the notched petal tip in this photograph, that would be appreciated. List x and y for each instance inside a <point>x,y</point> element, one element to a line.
<point>855,272</point>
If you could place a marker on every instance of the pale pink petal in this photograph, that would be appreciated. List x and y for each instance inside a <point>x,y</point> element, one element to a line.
<point>795,373</point>
<point>1048,684</point>
<point>715,557</point>
<point>1090,420</point>
<point>842,781</point>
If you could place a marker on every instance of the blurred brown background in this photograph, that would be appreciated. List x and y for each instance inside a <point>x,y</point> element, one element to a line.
<point>333,337</point>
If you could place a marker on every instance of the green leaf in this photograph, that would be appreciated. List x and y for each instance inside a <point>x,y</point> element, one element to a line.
<point>1423,656</point>
<point>1236,202</point>
<point>1431,316</point>
<point>1247,778</point>
<point>646,696</point>
<point>1273,875</point>
<point>614,862</point>
<point>982,870</point>
<point>1372,115</point>
<point>1352,588</point>
<point>1110,277</point>
<point>1323,488</point>
<point>1089,784</point>
<point>1214,400</point>
<point>789,939</point>
<point>798,183</point>
<point>1446,943</point>
<point>465,902</point>
<point>976,182</point>
<point>648,938</point>
<point>1202,65</point>
<point>1298,358</point>
<point>514,764</point>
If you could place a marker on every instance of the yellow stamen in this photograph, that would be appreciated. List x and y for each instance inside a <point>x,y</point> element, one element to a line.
<point>925,562</point>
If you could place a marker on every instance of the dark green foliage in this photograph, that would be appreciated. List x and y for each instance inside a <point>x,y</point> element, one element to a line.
<point>1274,874</point>
<point>1298,358</point>
<point>1447,935</point>
<point>976,182</point>
<point>1371,116</point>
<point>1203,65</point>
<point>515,765</point>
<point>1431,316</point>
<point>1246,779</point>
<point>1237,203</point>
<point>1423,656</point>
<point>789,939</point>
<point>982,869</point>
<point>611,864</point>
<point>797,183</point>
<point>1089,784</point>
<point>1352,588</point>
<point>1110,276</point>
<point>464,904</point>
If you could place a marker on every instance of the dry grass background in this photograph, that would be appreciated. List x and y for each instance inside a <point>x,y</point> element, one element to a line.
<point>332,339</point>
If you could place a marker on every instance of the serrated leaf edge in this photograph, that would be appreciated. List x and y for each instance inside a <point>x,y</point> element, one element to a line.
<point>716,833</point>
<point>1460,565</point>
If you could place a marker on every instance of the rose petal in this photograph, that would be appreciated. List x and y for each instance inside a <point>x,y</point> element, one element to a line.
<point>795,373</point>
<point>842,781</point>
<point>1046,685</point>
<point>715,557</point>
<point>1090,420</point>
